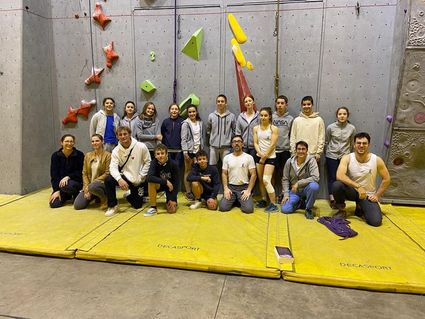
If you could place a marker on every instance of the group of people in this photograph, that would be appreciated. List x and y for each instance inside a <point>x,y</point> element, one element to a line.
<point>143,157</point>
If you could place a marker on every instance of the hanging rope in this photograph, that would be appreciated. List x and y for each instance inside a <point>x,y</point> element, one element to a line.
<point>92,51</point>
<point>175,54</point>
<point>276,34</point>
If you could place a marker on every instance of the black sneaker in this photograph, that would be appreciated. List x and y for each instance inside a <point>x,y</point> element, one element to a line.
<point>261,204</point>
<point>189,196</point>
<point>309,214</point>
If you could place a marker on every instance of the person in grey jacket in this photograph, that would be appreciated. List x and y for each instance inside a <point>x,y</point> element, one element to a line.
<point>220,129</point>
<point>283,121</point>
<point>339,139</point>
<point>300,181</point>
<point>130,115</point>
<point>148,128</point>
<point>245,124</point>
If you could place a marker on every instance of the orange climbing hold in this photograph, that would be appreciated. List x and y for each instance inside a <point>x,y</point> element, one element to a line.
<point>100,17</point>
<point>110,53</point>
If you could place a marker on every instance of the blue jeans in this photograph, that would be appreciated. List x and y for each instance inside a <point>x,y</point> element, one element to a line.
<point>309,193</point>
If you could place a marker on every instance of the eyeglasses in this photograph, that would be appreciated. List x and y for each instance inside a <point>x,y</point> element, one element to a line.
<point>237,141</point>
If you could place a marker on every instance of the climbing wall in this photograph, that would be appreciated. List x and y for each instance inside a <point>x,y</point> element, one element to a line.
<point>406,159</point>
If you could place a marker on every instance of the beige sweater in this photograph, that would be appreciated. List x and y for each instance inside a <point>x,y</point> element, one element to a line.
<point>310,129</point>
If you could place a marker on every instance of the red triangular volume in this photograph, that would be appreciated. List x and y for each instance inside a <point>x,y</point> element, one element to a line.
<point>71,117</point>
<point>100,17</point>
<point>243,88</point>
<point>110,53</point>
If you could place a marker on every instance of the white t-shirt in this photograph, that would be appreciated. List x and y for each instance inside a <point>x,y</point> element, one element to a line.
<point>196,129</point>
<point>238,168</point>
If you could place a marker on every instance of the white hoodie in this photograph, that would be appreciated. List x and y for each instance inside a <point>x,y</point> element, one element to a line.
<point>137,167</point>
<point>310,129</point>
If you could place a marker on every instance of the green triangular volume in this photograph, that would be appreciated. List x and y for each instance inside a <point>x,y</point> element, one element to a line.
<point>192,48</point>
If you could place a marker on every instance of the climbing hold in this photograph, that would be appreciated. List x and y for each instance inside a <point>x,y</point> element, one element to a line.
<point>387,143</point>
<point>192,47</point>
<point>237,52</point>
<point>147,86</point>
<point>100,17</point>
<point>398,161</point>
<point>249,66</point>
<point>85,108</point>
<point>71,117</point>
<point>95,76</point>
<point>237,30</point>
<point>152,56</point>
<point>389,118</point>
<point>111,55</point>
<point>420,118</point>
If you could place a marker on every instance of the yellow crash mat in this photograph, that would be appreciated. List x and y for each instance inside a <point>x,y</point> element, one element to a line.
<point>379,258</point>
<point>230,242</point>
<point>5,199</point>
<point>30,226</point>
<point>411,220</point>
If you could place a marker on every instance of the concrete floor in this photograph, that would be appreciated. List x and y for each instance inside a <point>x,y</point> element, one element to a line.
<point>42,287</point>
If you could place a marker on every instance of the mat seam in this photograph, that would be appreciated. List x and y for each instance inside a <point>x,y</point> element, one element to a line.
<point>108,234</point>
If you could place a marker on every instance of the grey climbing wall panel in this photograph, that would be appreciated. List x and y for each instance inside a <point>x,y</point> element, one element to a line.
<point>406,157</point>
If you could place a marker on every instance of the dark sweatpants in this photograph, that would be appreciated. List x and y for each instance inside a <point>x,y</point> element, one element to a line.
<point>371,210</point>
<point>136,192</point>
<point>67,193</point>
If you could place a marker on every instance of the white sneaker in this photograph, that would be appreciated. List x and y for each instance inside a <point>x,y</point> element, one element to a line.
<point>150,212</point>
<point>196,204</point>
<point>126,194</point>
<point>111,211</point>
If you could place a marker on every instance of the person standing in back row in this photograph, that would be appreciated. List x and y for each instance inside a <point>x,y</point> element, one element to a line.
<point>310,128</point>
<point>220,129</point>
<point>283,121</point>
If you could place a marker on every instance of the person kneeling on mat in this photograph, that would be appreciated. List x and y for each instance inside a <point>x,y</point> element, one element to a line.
<point>205,182</point>
<point>163,176</point>
<point>300,181</point>
<point>356,181</point>
<point>129,166</point>
<point>238,176</point>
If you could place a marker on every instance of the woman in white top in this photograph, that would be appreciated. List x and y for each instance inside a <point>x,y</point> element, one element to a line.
<point>192,133</point>
<point>265,139</point>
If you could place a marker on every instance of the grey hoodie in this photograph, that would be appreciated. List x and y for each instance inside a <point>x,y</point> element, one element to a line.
<point>339,139</point>
<point>246,129</point>
<point>131,123</point>
<point>308,172</point>
<point>221,129</point>
<point>187,136</point>
<point>145,130</point>
<point>283,123</point>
